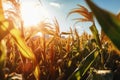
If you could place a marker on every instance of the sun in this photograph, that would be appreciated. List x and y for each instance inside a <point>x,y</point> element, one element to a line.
<point>32,13</point>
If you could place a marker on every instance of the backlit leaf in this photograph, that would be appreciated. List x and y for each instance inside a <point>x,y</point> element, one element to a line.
<point>4,27</point>
<point>37,72</point>
<point>24,49</point>
<point>3,23</point>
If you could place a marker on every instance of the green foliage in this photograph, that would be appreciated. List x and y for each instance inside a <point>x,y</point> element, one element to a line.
<point>109,22</point>
<point>84,65</point>
<point>96,35</point>
<point>89,59</point>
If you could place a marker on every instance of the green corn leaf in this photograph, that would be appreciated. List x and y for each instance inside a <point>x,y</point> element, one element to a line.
<point>109,22</point>
<point>84,65</point>
<point>95,34</point>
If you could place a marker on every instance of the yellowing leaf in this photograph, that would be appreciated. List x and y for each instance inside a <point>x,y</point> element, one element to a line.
<point>69,63</point>
<point>37,72</point>
<point>24,49</point>
<point>4,26</point>
<point>3,23</point>
<point>3,51</point>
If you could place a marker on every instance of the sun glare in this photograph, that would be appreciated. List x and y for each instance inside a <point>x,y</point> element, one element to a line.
<point>32,13</point>
<point>39,34</point>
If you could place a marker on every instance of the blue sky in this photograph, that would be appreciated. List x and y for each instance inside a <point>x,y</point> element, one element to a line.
<point>61,8</point>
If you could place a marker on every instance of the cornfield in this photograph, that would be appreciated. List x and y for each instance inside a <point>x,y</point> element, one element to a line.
<point>59,55</point>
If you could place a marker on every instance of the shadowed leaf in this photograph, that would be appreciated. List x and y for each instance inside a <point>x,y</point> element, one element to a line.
<point>65,33</point>
<point>96,35</point>
<point>84,65</point>
<point>3,56</point>
<point>109,22</point>
<point>118,16</point>
<point>3,53</point>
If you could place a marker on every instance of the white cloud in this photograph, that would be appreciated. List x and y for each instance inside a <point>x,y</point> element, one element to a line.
<point>55,4</point>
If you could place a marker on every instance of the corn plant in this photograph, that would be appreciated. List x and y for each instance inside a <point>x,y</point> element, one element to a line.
<point>9,27</point>
<point>81,70</point>
<point>106,20</point>
<point>24,55</point>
